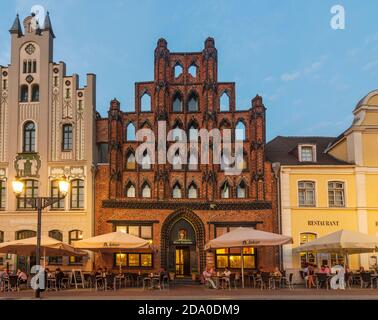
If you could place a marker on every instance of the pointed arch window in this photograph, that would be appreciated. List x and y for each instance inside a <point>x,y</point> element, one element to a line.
<point>177,103</point>
<point>225,190</point>
<point>192,191</point>
<point>130,190</point>
<point>29,137</point>
<point>146,190</point>
<point>193,132</point>
<point>177,70</point>
<point>193,160</point>
<point>130,132</point>
<point>193,70</point>
<point>193,102</point>
<point>177,193</point>
<point>224,102</point>
<point>24,93</point>
<point>240,131</point>
<point>130,161</point>
<point>241,190</point>
<point>145,103</point>
<point>146,161</point>
<point>176,162</point>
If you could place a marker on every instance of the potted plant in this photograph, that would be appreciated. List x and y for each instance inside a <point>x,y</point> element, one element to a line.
<point>194,274</point>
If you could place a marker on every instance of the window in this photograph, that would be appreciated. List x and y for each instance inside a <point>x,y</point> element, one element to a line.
<point>141,231</point>
<point>336,194</point>
<point>240,131</point>
<point>177,70</point>
<point>57,235</point>
<point>231,258</point>
<point>193,102</point>
<point>307,257</point>
<point>143,260</point>
<point>25,67</point>
<point>67,137</point>
<point>29,137</point>
<point>177,103</point>
<point>225,190</point>
<point>77,194</point>
<point>307,154</point>
<point>145,103</point>
<point>193,133</point>
<point>68,93</point>
<point>25,234</point>
<point>130,190</point>
<point>241,190</point>
<point>24,93</point>
<point>3,194</point>
<point>130,161</point>
<point>192,191</point>
<point>146,190</point>
<point>1,236</point>
<point>29,66</point>
<point>177,132</point>
<point>35,93</point>
<point>103,152</point>
<point>177,191</point>
<point>30,191</point>
<point>34,69</point>
<point>193,160</point>
<point>130,132</point>
<point>55,193</point>
<point>176,162</point>
<point>75,235</point>
<point>193,70</point>
<point>5,84</point>
<point>224,102</point>
<point>146,161</point>
<point>306,193</point>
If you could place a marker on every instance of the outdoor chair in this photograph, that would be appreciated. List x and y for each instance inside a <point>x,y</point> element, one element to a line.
<point>147,282</point>
<point>367,280</point>
<point>110,282</point>
<point>226,282</point>
<point>264,281</point>
<point>11,284</point>
<point>52,284</point>
<point>165,281</point>
<point>288,282</point>
<point>348,279</point>
<point>321,279</point>
<point>99,283</point>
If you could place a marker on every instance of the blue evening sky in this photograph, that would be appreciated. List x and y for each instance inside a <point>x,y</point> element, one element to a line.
<point>309,75</point>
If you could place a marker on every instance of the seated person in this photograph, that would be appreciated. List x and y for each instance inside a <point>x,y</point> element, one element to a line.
<point>22,276</point>
<point>207,274</point>
<point>324,270</point>
<point>277,272</point>
<point>361,269</point>
<point>59,275</point>
<point>99,272</point>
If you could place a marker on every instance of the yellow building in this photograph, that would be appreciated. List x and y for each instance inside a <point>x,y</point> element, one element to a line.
<point>327,184</point>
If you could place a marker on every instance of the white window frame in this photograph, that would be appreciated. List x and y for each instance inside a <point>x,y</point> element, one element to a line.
<point>312,146</point>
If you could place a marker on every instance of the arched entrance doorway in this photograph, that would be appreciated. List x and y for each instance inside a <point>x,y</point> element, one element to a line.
<point>182,242</point>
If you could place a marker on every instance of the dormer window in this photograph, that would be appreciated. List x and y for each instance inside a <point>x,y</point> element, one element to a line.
<point>307,153</point>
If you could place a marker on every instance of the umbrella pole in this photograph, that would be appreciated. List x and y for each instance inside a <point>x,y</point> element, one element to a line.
<point>44,258</point>
<point>242,267</point>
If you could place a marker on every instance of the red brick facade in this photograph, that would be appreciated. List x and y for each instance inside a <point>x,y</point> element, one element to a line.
<point>200,216</point>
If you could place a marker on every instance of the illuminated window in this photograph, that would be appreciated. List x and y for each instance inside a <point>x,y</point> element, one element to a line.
<point>77,194</point>
<point>130,162</point>
<point>75,235</point>
<point>143,260</point>
<point>231,258</point>
<point>30,191</point>
<point>307,257</point>
<point>55,193</point>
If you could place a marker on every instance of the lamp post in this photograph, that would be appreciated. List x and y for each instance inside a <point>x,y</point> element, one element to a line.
<point>40,203</point>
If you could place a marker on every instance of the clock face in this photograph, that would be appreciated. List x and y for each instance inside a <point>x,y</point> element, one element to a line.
<point>30,49</point>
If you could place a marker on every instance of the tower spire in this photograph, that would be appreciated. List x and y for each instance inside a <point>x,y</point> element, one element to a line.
<point>48,25</point>
<point>16,27</point>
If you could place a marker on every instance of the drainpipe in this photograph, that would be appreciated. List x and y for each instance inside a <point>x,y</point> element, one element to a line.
<point>276,166</point>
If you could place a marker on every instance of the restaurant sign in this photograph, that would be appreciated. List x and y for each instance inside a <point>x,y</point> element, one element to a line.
<point>323,223</point>
<point>110,244</point>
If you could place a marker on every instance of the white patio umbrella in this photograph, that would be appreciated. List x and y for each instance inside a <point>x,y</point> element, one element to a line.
<point>112,242</point>
<point>247,237</point>
<point>342,242</point>
<point>49,246</point>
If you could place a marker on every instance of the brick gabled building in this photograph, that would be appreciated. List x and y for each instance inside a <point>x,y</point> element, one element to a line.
<point>180,207</point>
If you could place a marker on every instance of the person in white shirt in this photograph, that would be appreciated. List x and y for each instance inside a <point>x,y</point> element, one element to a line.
<point>207,274</point>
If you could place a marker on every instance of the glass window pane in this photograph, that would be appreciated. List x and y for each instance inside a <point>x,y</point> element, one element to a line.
<point>221,251</point>
<point>121,229</point>
<point>235,262</point>
<point>134,230</point>
<point>146,260</point>
<point>222,262</point>
<point>249,262</point>
<point>146,232</point>
<point>120,259</point>
<point>133,259</point>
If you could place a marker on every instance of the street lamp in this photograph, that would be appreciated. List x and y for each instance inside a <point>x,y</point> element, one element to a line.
<point>40,203</point>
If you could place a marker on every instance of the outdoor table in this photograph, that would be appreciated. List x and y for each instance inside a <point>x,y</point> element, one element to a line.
<point>276,279</point>
<point>215,278</point>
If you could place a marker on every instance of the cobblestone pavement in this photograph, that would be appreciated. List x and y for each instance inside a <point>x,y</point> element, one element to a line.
<point>191,292</point>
